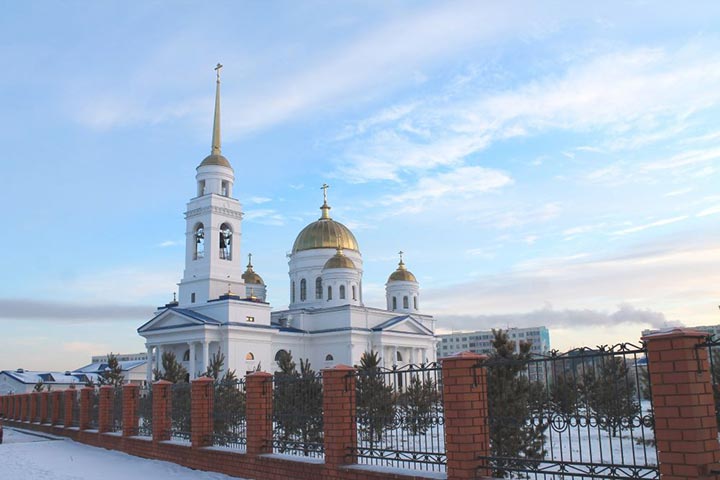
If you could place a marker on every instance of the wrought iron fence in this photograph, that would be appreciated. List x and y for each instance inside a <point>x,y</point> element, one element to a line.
<point>145,417</point>
<point>75,409</point>
<point>298,414</point>
<point>400,417</point>
<point>712,344</point>
<point>229,414</point>
<point>180,412</point>
<point>94,398</point>
<point>116,423</point>
<point>582,414</point>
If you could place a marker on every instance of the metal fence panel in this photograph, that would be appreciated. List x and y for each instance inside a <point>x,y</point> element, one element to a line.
<point>298,415</point>
<point>229,414</point>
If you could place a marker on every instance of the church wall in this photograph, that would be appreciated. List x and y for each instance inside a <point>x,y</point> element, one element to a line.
<point>308,264</point>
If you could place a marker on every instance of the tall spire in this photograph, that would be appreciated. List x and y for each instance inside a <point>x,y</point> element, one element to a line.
<point>216,120</point>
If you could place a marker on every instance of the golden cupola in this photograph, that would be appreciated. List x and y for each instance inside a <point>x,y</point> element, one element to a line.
<point>250,276</point>
<point>325,233</point>
<point>339,260</point>
<point>402,274</point>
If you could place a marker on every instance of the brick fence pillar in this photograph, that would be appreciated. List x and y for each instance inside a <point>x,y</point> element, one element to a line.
<point>105,408</point>
<point>70,399</point>
<point>34,406</point>
<point>130,398</point>
<point>44,399</point>
<point>18,407</point>
<point>161,410</point>
<point>55,399</point>
<point>683,404</point>
<point>467,434</point>
<point>259,387</point>
<point>202,395</point>
<point>24,407</point>
<point>339,401</point>
<point>84,421</point>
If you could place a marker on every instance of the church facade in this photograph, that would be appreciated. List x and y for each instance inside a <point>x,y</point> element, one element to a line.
<point>221,308</point>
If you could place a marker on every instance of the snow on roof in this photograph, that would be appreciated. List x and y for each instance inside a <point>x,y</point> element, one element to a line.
<point>33,377</point>
<point>99,367</point>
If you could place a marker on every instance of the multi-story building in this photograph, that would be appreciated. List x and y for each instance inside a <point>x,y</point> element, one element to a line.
<point>480,341</point>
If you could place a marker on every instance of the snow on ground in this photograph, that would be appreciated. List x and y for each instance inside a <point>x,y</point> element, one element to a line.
<point>28,456</point>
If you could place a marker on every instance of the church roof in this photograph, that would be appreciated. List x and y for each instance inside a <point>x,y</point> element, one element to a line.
<point>325,233</point>
<point>339,260</point>
<point>399,319</point>
<point>402,274</point>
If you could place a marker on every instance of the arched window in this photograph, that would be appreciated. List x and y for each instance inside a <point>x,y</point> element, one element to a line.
<point>318,288</point>
<point>329,292</point>
<point>199,237</point>
<point>342,292</point>
<point>186,356</point>
<point>303,290</point>
<point>394,303</point>
<point>415,302</point>
<point>405,302</point>
<point>201,188</point>
<point>280,353</point>
<point>353,292</point>
<point>225,188</point>
<point>225,242</point>
<point>398,356</point>
<point>329,358</point>
<point>249,356</point>
<point>292,292</point>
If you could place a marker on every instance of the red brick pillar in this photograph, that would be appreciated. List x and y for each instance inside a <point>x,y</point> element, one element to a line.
<point>105,405</point>
<point>84,422</point>
<point>18,407</point>
<point>44,399</point>
<point>23,407</point>
<point>259,389</point>
<point>34,404</point>
<point>339,396</point>
<point>162,408</point>
<point>70,399</point>
<point>55,398</point>
<point>467,434</point>
<point>130,399</point>
<point>201,411</point>
<point>685,425</point>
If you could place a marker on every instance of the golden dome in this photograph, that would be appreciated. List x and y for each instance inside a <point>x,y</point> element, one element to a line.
<point>250,276</point>
<point>215,159</point>
<point>325,233</point>
<point>402,274</point>
<point>339,260</point>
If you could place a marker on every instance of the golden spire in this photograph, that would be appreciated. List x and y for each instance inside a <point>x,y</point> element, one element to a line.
<point>249,265</point>
<point>215,150</point>
<point>325,207</point>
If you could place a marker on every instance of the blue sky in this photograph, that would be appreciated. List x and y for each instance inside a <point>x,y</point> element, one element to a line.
<point>551,164</point>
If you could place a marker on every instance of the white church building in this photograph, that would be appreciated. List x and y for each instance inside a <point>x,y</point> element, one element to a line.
<point>221,308</point>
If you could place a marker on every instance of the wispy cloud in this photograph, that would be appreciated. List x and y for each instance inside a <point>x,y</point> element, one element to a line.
<point>709,211</point>
<point>657,223</point>
<point>265,216</point>
<point>169,243</point>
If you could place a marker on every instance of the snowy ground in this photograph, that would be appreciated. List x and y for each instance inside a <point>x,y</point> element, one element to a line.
<point>27,456</point>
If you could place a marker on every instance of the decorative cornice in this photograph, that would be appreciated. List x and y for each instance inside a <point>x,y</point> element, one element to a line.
<point>214,209</point>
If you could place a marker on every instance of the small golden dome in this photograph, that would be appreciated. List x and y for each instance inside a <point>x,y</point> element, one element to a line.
<point>215,159</point>
<point>325,233</point>
<point>339,260</point>
<point>250,276</point>
<point>402,274</point>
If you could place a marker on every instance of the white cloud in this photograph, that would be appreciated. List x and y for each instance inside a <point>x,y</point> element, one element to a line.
<point>169,243</point>
<point>259,200</point>
<point>709,211</point>
<point>657,223</point>
<point>265,217</point>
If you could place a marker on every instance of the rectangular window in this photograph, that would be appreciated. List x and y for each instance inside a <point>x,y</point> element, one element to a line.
<point>250,319</point>
<point>192,297</point>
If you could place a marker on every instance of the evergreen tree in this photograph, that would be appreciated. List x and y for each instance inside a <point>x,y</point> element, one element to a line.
<point>375,402</point>
<point>418,404</point>
<point>39,386</point>
<point>229,403</point>
<point>309,408</point>
<point>172,371</point>
<point>611,393</point>
<point>284,397</point>
<point>113,373</point>
<point>565,394</point>
<point>509,398</point>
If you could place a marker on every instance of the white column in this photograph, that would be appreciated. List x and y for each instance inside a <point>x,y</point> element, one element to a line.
<point>158,357</point>
<point>149,365</point>
<point>192,366</point>
<point>206,354</point>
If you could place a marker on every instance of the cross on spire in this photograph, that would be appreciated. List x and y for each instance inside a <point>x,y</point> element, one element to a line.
<point>250,260</point>
<point>217,71</point>
<point>324,188</point>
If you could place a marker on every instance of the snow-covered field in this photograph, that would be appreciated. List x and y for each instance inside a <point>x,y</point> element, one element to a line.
<point>26,456</point>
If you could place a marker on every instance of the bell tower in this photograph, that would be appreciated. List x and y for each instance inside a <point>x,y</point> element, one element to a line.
<point>212,234</point>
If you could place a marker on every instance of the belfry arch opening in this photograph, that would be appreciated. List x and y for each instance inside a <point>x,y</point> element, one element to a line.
<point>199,240</point>
<point>225,241</point>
